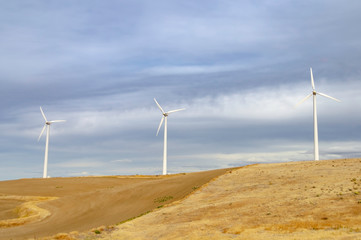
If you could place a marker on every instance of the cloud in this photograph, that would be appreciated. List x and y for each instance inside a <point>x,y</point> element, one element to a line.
<point>192,69</point>
<point>239,159</point>
<point>122,161</point>
<point>83,163</point>
<point>79,174</point>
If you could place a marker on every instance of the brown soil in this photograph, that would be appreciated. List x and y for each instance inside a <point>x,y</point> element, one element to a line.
<point>87,202</point>
<point>7,209</point>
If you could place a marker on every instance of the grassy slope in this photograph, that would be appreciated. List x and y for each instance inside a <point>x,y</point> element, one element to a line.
<point>298,200</point>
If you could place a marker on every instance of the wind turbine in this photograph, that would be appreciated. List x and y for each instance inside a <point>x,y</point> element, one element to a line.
<point>315,129</point>
<point>47,126</point>
<point>164,118</point>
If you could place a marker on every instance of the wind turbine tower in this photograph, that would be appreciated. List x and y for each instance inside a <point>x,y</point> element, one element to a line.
<point>315,128</point>
<point>47,126</point>
<point>164,118</point>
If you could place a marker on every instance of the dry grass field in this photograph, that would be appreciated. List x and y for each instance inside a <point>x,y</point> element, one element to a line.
<point>296,200</point>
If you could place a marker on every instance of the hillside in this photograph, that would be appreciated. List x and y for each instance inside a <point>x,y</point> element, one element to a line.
<point>297,200</point>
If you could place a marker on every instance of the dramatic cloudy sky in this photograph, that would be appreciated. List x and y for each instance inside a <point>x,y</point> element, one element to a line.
<point>238,67</point>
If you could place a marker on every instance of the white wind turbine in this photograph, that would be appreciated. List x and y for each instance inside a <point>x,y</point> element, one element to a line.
<point>165,115</point>
<point>47,126</point>
<point>315,129</point>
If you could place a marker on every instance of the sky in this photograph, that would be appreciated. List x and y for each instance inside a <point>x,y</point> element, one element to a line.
<point>238,67</point>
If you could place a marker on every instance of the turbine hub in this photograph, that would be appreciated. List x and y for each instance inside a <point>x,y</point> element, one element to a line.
<point>314,92</point>
<point>47,123</point>
<point>165,114</point>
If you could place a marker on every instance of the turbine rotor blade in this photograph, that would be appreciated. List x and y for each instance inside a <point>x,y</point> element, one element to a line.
<point>307,97</point>
<point>322,94</point>
<point>312,82</point>
<point>54,121</point>
<point>41,110</point>
<point>161,109</point>
<point>41,133</point>
<point>177,110</point>
<point>160,124</point>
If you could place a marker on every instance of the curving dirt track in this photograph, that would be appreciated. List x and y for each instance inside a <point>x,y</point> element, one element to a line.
<point>87,202</point>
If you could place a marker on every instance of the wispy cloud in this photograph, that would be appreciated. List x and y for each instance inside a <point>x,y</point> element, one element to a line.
<point>191,69</point>
<point>83,163</point>
<point>122,161</point>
